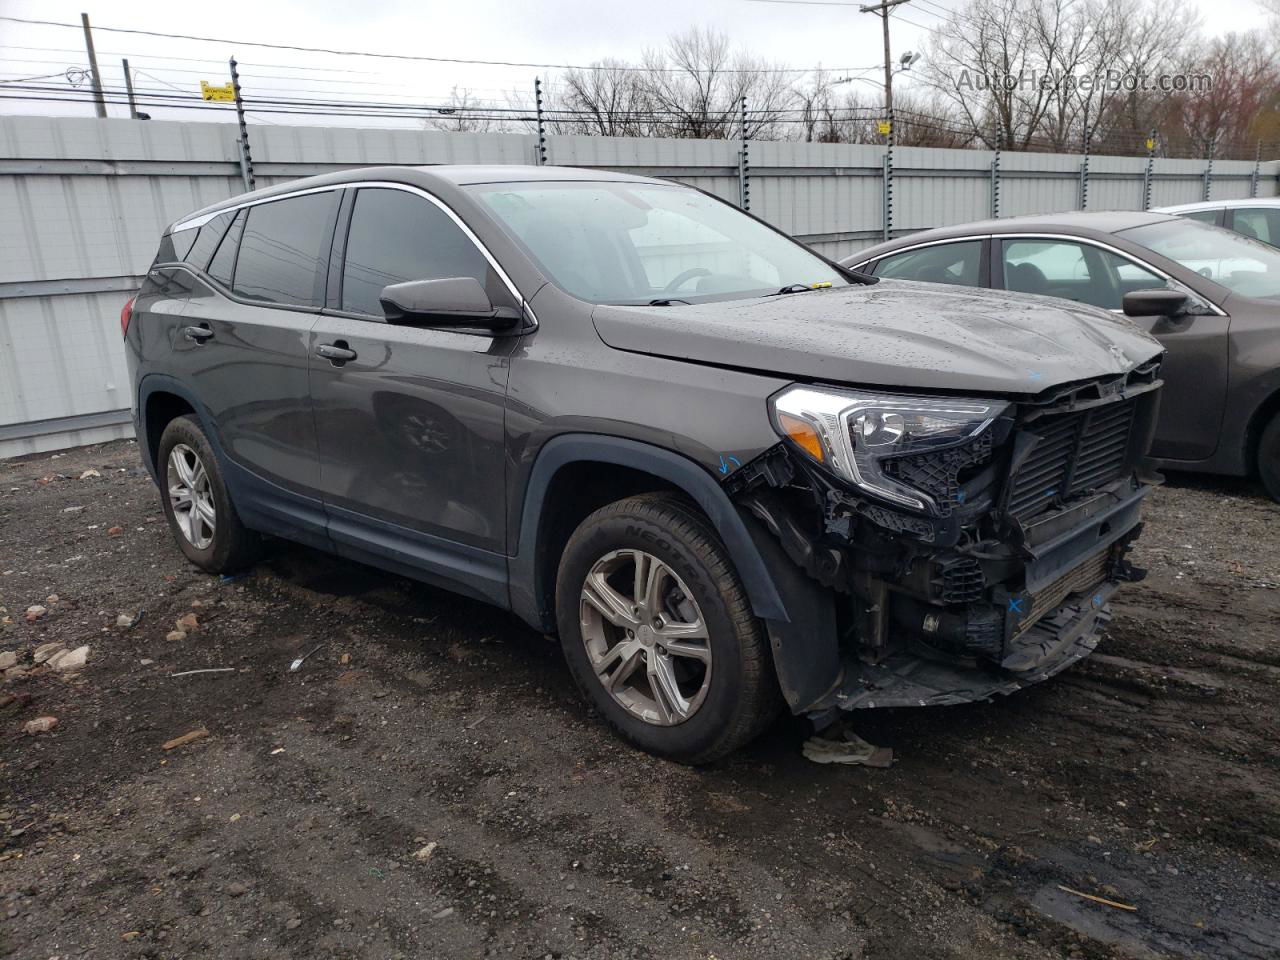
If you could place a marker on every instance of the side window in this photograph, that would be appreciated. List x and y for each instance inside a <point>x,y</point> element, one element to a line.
<point>942,263</point>
<point>1261,223</point>
<point>1204,216</point>
<point>395,237</point>
<point>224,260</point>
<point>282,249</point>
<point>207,239</point>
<point>1129,275</point>
<point>1059,268</point>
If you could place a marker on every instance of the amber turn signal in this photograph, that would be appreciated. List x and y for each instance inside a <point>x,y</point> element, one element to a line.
<point>803,435</point>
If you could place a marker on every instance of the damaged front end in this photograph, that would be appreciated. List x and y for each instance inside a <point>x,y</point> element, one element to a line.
<point>946,550</point>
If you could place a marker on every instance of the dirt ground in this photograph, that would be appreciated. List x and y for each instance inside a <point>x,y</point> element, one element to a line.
<point>1149,775</point>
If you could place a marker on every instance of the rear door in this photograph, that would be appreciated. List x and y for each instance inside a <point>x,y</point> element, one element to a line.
<point>410,427</point>
<point>1195,365</point>
<point>245,350</point>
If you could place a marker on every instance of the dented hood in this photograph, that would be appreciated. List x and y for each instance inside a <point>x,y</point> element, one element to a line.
<point>893,334</point>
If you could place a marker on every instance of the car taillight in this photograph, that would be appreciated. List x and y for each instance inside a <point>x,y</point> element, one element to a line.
<point>126,314</point>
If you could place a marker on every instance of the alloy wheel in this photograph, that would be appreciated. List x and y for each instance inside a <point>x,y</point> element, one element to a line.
<point>645,637</point>
<point>191,496</point>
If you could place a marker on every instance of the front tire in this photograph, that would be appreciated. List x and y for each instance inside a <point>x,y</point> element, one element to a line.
<point>1269,458</point>
<point>201,515</point>
<point>658,632</point>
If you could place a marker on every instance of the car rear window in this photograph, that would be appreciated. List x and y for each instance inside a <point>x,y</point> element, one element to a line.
<point>281,250</point>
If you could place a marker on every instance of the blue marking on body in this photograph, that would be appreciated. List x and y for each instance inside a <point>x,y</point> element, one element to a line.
<point>1015,604</point>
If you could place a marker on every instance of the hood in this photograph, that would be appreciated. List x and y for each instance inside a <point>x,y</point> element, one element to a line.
<point>898,334</point>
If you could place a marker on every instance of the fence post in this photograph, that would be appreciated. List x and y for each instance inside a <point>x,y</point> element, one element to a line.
<point>540,155</point>
<point>1146,177</point>
<point>744,162</point>
<point>887,192</point>
<point>1208,170</point>
<point>1257,163</point>
<point>1084,175</point>
<point>995,185</point>
<point>246,158</point>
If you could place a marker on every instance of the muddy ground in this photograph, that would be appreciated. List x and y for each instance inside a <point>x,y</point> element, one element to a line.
<point>1149,775</point>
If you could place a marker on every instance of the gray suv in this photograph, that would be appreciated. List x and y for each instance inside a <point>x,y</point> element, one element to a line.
<point>725,471</point>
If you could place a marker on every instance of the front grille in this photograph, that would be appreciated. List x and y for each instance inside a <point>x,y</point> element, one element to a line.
<point>1086,576</point>
<point>1076,452</point>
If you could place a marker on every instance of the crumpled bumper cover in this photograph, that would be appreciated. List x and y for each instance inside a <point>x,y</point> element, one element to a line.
<point>1068,634</point>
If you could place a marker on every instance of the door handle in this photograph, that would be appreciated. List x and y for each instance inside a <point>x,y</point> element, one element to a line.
<point>336,353</point>
<point>197,333</point>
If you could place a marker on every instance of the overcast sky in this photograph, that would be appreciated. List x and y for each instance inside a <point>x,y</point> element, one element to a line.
<point>551,31</point>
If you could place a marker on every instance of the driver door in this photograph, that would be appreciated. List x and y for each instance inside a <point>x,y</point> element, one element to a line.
<point>409,419</point>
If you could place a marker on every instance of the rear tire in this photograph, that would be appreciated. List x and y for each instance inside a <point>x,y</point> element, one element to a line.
<point>685,672</point>
<point>201,515</point>
<point>1269,458</point>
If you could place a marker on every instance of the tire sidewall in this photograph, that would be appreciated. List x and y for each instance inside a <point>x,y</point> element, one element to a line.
<point>595,539</point>
<point>1269,458</point>
<point>187,430</point>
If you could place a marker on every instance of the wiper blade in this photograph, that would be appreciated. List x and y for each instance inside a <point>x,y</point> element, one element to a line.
<point>800,288</point>
<point>667,301</point>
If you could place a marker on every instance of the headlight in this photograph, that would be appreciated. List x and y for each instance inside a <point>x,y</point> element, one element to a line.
<point>853,433</point>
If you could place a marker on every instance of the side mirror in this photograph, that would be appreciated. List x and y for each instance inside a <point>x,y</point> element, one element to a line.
<point>1160,302</point>
<point>453,301</point>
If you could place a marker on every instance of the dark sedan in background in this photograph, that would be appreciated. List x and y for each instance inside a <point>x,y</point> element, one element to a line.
<point>1212,297</point>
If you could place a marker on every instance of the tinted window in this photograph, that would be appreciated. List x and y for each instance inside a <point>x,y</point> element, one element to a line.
<point>395,237</point>
<point>281,250</point>
<point>943,263</point>
<point>224,261</point>
<point>1260,223</point>
<point>175,246</point>
<point>207,239</point>
<point>1204,216</point>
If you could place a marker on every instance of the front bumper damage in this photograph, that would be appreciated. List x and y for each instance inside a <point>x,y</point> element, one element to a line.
<point>1007,585</point>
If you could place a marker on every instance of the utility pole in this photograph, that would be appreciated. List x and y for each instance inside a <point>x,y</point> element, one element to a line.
<point>99,101</point>
<point>883,9</point>
<point>128,86</point>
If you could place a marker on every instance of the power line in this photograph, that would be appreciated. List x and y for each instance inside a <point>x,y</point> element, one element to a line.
<point>399,56</point>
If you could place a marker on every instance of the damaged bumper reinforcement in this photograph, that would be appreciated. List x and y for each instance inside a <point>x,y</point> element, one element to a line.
<point>1005,584</point>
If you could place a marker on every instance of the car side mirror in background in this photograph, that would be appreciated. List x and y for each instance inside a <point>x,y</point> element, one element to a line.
<point>1160,302</point>
<point>453,301</point>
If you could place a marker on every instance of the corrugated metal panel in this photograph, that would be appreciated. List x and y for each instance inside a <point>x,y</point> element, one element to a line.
<point>89,199</point>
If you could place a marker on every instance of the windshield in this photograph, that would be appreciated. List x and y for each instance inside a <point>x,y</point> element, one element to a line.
<point>1248,267</point>
<point>639,242</point>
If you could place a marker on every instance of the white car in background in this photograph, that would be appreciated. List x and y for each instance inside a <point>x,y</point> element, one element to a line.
<point>1257,217</point>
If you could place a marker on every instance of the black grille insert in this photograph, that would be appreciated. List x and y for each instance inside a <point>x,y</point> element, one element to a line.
<point>1077,452</point>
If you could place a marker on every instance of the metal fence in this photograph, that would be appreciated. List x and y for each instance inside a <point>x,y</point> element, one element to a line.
<point>85,200</point>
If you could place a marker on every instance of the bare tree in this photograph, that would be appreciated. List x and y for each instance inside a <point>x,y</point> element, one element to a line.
<point>463,113</point>
<point>610,98</point>
<point>698,82</point>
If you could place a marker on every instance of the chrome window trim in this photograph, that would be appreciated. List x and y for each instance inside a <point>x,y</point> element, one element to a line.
<point>920,246</point>
<point>1066,238</point>
<point>204,218</point>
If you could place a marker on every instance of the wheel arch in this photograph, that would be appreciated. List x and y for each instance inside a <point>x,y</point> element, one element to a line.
<point>567,459</point>
<point>160,400</point>
<point>1263,415</point>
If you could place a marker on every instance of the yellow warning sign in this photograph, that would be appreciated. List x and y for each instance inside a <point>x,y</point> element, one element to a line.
<point>226,93</point>
<point>885,127</point>
<point>1151,144</point>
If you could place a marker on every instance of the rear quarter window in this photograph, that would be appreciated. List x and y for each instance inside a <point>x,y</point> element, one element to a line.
<point>282,248</point>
